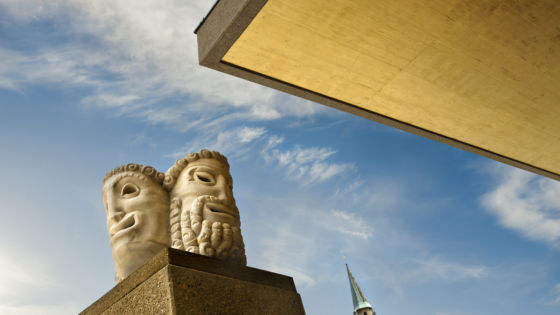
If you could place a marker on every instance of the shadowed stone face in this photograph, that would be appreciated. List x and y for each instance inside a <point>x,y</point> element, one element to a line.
<point>137,209</point>
<point>203,204</point>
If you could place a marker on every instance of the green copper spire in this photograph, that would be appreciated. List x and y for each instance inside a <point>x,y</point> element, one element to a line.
<point>358,298</point>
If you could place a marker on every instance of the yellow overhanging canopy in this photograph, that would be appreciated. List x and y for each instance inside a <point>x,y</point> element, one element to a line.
<point>483,76</point>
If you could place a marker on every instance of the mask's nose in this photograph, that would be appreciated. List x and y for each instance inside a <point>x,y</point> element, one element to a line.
<point>115,218</point>
<point>114,212</point>
<point>224,192</point>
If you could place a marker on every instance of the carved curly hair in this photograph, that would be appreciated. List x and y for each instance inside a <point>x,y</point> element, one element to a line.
<point>176,218</point>
<point>145,170</point>
<point>174,171</point>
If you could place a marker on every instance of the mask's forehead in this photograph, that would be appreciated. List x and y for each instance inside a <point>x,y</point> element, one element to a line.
<point>112,182</point>
<point>207,164</point>
<point>185,178</point>
<point>210,163</point>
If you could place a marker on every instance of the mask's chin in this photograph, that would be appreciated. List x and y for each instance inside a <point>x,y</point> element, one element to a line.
<point>133,254</point>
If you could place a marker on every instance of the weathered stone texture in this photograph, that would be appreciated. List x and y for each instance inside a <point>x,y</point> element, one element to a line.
<point>202,293</point>
<point>153,296</point>
<point>178,282</point>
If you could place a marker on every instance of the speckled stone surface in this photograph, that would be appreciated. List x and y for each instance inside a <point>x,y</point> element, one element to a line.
<point>178,282</point>
<point>197,292</point>
<point>122,288</point>
<point>152,296</point>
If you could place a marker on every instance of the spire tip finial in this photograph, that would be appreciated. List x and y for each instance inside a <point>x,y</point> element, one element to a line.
<point>358,298</point>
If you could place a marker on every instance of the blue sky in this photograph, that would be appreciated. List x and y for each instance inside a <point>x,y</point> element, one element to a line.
<point>89,85</point>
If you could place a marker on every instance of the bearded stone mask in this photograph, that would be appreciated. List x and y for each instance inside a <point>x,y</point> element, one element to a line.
<point>204,218</point>
<point>137,209</point>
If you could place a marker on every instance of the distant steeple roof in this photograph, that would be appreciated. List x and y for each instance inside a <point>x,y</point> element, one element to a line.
<point>358,297</point>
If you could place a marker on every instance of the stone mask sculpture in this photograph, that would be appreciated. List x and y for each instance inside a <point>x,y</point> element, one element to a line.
<point>137,209</point>
<point>204,218</point>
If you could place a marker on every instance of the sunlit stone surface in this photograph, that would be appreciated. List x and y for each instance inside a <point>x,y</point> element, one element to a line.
<point>204,218</point>
<point>137,209</point>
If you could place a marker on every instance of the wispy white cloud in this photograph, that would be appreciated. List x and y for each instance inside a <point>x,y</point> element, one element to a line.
<point>526,203</point>
<point>436,269</point>
<point>247,134</point>
<point>138,55</point>
<point>348,223</point>
<point>277,254</point>
<point>308,165</point>
<point>376,194</point>
<point>422,267</point>
<point>272,142</point>
<point>307,234</point>
<point>234,143</point>
<point>46,67</point>
<point>553,296</point>
<point>302,240</point>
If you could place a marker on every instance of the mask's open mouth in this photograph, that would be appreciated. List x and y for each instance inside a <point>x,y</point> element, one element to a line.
<point>125,224</point>
<point>219,208</point>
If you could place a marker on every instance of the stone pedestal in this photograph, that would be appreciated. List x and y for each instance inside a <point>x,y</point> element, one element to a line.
<point>178,282</point>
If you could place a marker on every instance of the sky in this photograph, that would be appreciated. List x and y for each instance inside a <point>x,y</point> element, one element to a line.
<point>86,86</point>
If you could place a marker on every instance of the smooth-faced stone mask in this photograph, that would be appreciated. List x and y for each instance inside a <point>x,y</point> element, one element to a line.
<point>137,209</point>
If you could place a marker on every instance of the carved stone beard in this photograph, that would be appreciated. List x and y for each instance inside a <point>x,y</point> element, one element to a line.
<point>190,232</point>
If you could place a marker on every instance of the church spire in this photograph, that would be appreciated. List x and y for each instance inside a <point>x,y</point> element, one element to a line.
<point>361,305</point>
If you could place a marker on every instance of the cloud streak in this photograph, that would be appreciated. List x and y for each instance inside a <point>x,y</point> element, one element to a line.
<point>526,203</point>
<point>434,269</point>
<point>135,56</point>
<point>308,165</point>
<point>348,223</point>
<point>553,296</point>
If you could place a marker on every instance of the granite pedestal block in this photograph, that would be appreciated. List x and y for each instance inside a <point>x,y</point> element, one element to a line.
<point>178,282</point>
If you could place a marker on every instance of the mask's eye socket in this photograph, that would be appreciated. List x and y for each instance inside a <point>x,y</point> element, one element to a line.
<point>130,190</point>
<point>204,177</point>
